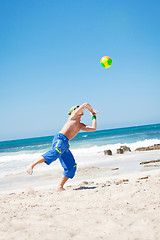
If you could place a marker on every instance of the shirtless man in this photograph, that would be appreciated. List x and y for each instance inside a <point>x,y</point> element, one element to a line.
<point>60,148</point>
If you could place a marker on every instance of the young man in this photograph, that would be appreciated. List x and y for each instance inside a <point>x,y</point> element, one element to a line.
<point>60,148</point>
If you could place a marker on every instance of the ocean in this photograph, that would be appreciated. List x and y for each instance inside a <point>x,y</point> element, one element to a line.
<point>88,150</point>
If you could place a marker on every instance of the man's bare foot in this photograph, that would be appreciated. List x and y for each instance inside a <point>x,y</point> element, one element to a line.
<point>60,189</point>
<point>29,170</point>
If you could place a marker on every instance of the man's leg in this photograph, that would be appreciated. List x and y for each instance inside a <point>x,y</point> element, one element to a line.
<point>47,157</point>
<point>64,159</point>
<point>31,166</point>
<point>63,181</point>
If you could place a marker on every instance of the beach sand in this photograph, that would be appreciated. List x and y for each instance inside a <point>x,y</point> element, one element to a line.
<point>122,208</point>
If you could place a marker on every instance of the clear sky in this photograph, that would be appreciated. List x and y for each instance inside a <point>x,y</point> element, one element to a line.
<point>50,55</point>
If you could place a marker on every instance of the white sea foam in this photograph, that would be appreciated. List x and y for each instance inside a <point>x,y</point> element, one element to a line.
<point>15,163</point>
<point>25,156</point>
<point>17,157</point>
<point>114,147</point>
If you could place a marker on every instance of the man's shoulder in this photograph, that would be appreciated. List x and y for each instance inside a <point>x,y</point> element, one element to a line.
<point>82,125</point>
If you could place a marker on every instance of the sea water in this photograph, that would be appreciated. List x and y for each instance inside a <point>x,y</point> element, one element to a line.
<point>87,148</point>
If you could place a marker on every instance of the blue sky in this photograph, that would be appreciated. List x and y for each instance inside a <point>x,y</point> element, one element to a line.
<point>50,55</point>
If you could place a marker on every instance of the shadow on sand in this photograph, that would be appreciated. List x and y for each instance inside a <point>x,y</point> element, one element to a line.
<point>83,188</point>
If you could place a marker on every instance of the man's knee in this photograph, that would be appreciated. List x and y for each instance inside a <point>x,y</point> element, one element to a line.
<point>70,173</point>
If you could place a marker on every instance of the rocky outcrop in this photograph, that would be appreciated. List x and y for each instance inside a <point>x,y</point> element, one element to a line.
<point>146,177</point>
<point>120,151</point>
<point>123,149</point>
<point>113,169</point>
<point>123,180</point>
<point>154,147</point>
<point>107,152</point>
<point>152,161</point>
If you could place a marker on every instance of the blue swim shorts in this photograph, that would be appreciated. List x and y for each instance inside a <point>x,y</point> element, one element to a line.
<point>60,149</point>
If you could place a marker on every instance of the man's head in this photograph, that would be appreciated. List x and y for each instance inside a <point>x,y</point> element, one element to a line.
<point>72,109</point>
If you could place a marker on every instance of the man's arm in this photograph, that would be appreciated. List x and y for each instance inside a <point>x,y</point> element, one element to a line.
<point>83,107</point>
<point>92,128</point>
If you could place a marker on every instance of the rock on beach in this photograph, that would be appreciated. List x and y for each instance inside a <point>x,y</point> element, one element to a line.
<point>154,147</point>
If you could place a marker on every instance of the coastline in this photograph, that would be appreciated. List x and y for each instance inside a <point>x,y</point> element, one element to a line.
<point>96,167</point>
<point>110,197</point>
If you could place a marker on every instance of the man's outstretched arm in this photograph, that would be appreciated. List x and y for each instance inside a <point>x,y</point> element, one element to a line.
<point>92,128</point>
<point>83,107</point>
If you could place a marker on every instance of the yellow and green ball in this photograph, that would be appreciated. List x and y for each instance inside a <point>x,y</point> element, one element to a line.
<point>106,62</point>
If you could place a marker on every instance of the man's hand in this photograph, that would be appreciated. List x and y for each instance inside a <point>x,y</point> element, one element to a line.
<point>80,109</point>
<point>94,112</point>
<point>88,106</point>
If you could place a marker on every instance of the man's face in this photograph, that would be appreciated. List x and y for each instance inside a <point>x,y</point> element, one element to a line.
<point>76,107</point>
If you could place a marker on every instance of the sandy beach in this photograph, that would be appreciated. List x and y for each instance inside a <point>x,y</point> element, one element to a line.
<point>79,99</point>
<point>111,209</point>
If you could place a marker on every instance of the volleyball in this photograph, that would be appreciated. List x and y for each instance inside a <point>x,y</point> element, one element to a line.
<point>106,62</point>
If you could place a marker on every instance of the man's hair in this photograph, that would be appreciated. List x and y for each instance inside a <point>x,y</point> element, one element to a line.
<point>72,109</point>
